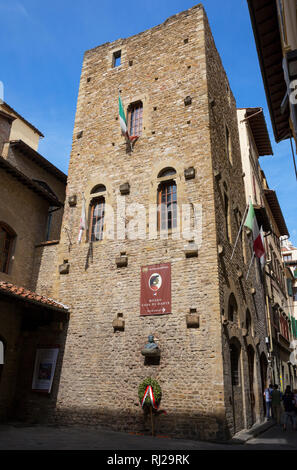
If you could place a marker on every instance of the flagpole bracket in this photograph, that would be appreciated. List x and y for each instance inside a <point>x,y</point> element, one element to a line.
<point>64,268</point>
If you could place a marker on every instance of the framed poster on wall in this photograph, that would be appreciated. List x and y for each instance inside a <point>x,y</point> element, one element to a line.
<point>155,296</point>
<point>44,368</point>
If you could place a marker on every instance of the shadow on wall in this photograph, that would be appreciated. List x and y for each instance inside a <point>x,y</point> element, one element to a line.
<point>31,406</point>
<point>194,426</point>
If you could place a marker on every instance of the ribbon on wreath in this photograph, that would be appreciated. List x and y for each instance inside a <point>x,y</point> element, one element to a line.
<point>149,391</point>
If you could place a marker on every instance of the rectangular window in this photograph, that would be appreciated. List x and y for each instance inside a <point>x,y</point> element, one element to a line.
<point>135,113</point>
<point>116,59</point>
<point>167,206</point>
<point>97,219</point>
<point>287,257</point>
<point>228,145</point>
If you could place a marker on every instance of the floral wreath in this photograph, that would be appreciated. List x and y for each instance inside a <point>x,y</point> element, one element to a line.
<point>150,393</point>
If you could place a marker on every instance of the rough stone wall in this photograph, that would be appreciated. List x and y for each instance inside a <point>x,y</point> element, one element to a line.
<point>29,405</point>
<point>228,180</point>
<point>26,213</point>
<point>34,171</point>
<point>45,269</point>
<point>5,126</point>
<point>102,369</point>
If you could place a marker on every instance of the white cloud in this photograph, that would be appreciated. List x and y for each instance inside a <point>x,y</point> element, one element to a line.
<point>14,8</point>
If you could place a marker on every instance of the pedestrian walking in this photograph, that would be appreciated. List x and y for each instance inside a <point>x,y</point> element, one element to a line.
<point>267,395</point>
<point>289,408</point>
<point>276,400</point>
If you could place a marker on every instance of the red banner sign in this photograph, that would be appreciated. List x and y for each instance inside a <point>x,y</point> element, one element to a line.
<point>155,296</point>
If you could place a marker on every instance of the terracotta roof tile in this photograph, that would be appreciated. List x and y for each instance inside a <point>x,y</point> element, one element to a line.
<point>26,294</point>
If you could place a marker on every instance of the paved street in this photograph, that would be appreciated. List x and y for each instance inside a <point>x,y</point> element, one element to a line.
<point>17,437</point>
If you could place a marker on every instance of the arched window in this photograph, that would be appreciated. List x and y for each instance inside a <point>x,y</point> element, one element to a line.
<point>235,364</point>
<point>248,322</point>
<point>167,200</point>
<point>166,172</point>
<point>228,145</point>
<point>7,236</point>
<point>232,309</point>
<point>227,210</point>
<point>99,188</point>
<point>97,210</point>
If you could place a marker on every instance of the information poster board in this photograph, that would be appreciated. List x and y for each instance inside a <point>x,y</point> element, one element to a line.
<point>155,296</point>
<point>44,369</point>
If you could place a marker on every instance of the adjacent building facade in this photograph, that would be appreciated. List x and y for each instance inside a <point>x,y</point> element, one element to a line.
<point>289,253</point>
<point>255,143</point>
<point>31,207</point>
<point>274,24</point>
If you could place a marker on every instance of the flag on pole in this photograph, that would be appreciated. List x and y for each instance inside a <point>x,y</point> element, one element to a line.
<point>82,224</point>
<point>123,122</point>
<point>251,223</point>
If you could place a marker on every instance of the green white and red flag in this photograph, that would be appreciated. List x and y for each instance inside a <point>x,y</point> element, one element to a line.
<point>252,224</point>
<point>123,122</point>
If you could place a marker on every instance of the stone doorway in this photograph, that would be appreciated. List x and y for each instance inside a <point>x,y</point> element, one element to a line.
<point>251,367</point>
<point>263,369</point>
<point>236,380</point>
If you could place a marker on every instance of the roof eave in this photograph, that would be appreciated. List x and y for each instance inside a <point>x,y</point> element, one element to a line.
<point>38,158</point>
<point>281,129</point>
<point>10,169</point>
<point>276,211</point>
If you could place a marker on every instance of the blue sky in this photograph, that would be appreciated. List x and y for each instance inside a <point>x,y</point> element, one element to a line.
<point>42,47</point>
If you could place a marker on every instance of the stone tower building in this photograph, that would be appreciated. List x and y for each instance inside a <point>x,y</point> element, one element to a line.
<point>211,329</point>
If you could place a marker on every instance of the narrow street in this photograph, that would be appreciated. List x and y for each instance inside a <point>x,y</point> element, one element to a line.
<point>274,439</point>
<point>17,437</point>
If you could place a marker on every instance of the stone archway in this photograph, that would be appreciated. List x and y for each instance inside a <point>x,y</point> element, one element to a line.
<point>236,383</point>
<point>263,369</point>
<point>251,369</point>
